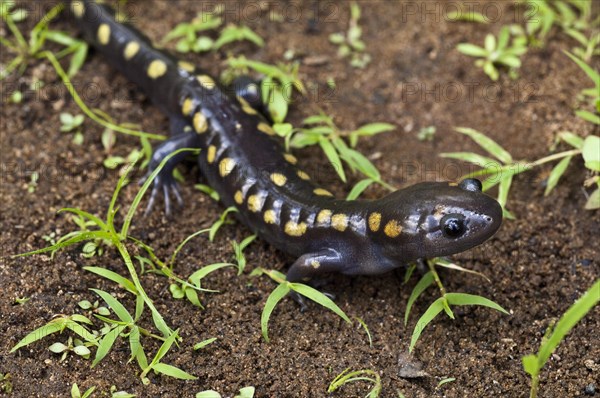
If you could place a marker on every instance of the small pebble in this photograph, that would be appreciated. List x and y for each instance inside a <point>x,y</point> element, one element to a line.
<point>590,389</point>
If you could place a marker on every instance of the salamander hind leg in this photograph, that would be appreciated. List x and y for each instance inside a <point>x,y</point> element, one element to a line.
<point>164,182</point>
<point>310,265</point>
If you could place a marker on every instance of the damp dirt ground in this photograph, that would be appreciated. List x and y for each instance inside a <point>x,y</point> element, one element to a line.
<point>537,264</point>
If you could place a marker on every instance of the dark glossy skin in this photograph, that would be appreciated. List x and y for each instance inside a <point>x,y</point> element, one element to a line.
<point>247,166</point>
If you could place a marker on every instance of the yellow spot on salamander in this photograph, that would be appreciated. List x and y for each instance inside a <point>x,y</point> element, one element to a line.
<point>255,203</point>
<point>226,166</point>
<point>278,179</point>
<point>246,106</point>
<point>322,192</point>
<point>303,175</point>
<point>104,34</point>
<point>238,197</point>
<point>131,49</point>
<point>265,128</point>
<point>293,228</point>
<point>339,222</point>
<point>156,69</point>
<point>78,8</point>
<point>187,106</point>
<point>200,123</point>
<point>186,66</point>
<point>392,229</point>
<point>374,221</point>
<point>315,264</point>
<point>324,216</point>
<point>290,158</point>
<point>211,152</point>
<point>270,217</point>
<point>206,81</point>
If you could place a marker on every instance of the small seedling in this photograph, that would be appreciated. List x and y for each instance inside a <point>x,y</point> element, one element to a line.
<point>73,345</point>
<point>338,145</point>
<point>498,52</point>
<point>443,303</point>
<point>276,86</point>
<point>27,51</point>
<point>33,182</point>
<point>349,43</point>
<point>114,393</point>
<point>5,383</point>
<point>232,33</point>
<point>187,33</point>
<point>72,124</point>
<point>534,363</point>
<point>245,392</point>
<point>366,328</point>
<point>22,300</point>
<point>238,252</point>
<point>204,343</point>
<point>76,393</point>
<point>426,133</point>
<point>95,307</point>
<point>286,287</point>
<point>360,375</point>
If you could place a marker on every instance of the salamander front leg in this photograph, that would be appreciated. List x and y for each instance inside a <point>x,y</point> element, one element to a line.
<point>310,265</point>
<point>164,183</point>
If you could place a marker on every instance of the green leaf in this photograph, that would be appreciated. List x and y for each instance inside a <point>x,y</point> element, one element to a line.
<point>434,309</point>
<point>320,298</point>
<point>274,298</point>
<point>556,173</point>
<point>470,157</point>
<point>113,276</point>
<point>593,202</point>
<point>588,116</point>
<point>208,394</point>
<point>472,50</point>
<point>490,43</point>
<point>197,276</point>
<point>595,76</point>
<point>204,343</point>
<point>246,392</point>
<point>591,152</point>
<point>106,343</point>
<point>470,16</point>
<point>115,305</point>
<point>333,157</point>
<point>570,318</point>
<point>470,299</point>
<point>55,325</point>
<point>425,281</point>
<point>486,143</point>
<point>173,371</point>
<point>572,139</point>
<point>359,188</point>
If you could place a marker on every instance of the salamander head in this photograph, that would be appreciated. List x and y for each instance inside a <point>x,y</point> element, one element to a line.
<point>439,219</point>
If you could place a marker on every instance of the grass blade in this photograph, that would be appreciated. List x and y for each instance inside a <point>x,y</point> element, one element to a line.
<point>113,276</point>
<point>173,371</point>
<point>486,143</point>
<point>556,173</point>
<point>274,298</point>
<point>320,298</point>
<point>425,281</point>
<point>434,309</point>
<point>115,305</point>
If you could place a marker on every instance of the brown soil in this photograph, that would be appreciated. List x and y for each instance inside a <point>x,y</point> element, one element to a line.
<point>538,264</point>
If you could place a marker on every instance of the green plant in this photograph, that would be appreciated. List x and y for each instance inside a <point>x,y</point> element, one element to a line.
<point>555,333</point>
<point>443,303</point>
<point>338,145</point>
<point>187,33</point>
<point>73,345</point>
<point>72,124</point>
<point>6,383</point>
<point>232,33</point>
<point>238,251</point>
<point>245,392</point>
<point>27,51</point>
<point>286,287</point>
<point>350,43</point>
<point>501,170</point>
<point>570,15</point>
<point>359,375</point>
<point>498,52</point>
<point>276,86</point>
<point>126,325</point>
<point>76,393</point>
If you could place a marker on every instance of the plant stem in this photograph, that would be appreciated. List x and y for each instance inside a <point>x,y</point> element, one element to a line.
<point>436,278</point>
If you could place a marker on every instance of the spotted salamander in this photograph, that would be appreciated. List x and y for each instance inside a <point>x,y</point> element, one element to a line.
<point>247,166</point>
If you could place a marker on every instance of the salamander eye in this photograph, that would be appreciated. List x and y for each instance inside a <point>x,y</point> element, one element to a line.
<point>453,225</point>
<point>471,184</point>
